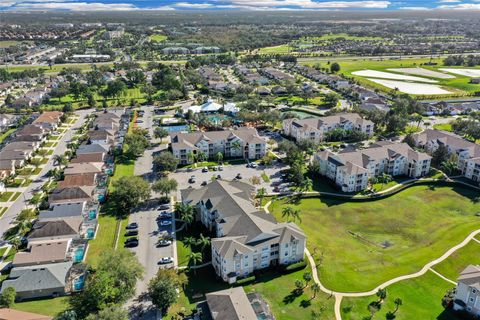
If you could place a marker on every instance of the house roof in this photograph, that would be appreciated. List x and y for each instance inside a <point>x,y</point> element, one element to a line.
<point>88,157</point>
<point>49,117</point>
<point>340,118</point>
<point>470,276</point>
<point>449,139</point>
<point>7,164</point>
<point>78,180</point>
<point>64,210</point>
<point>20,146</point>
<point>79,194</point>
<point>41,277</point>
<point>11,314</point>
<point>55,228</point>
<point>92,148</point>
<point>13,155</point>
<point>84,167</point>
<point>30,129</point>
<point>230,304</point>
<point>41,253</point>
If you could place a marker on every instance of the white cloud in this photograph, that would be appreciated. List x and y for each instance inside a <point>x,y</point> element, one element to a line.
<point>193,5</point>
<point>449,1</point>
<point>74,6</point>
<point>461,6</point>
<point>309,4</point>
<point>414,8</point>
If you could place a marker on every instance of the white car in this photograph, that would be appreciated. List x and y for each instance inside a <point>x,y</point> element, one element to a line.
<point>165,223</point>
<point>165,260</point>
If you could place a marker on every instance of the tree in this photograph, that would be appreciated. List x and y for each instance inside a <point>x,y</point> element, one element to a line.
<point>291,213</point>
<point>160,133</point>
<point>219,157</point>
<point>165,161</point>
<point>306,184</point>
<point>449,166</point>
<point>335,67</point>
<point>67,315</point>
<point>307,277</point>
<point>186,212</point>
<point>381,294</point>
<point>162,289</point>
<point>398,302</point>
<point>384,179</point>
<point>36,162</point>
<point>191,157</point>
<point>203,242</point>
<point>299,286</point>
<point>113,282</point>
<point>440,155</point>
<point>136,142</point>
<point>129,192</point>
<point>149,90</point>
<point>165,186</point>
<point>331,100</point>
<point>189,242</point>
<point>16,242</point>
<point>67,108</point>
<point>7,299</point>
<point>110,313</point>
<point>115,88</point>
<point>194,258</point>
<point>261,193</point>
<point>316,289</point>
<point>60,160</point>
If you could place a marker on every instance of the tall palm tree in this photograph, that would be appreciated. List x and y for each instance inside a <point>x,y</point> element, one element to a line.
<point>398,302</point>
<point>261,193</point>
<point>384,179</point>
<point>185,212</point>
<point>60,160</point>
<point>202,156</point>
<point>189,241</point>
<point>194,259</point>
<point>203,242</point>
<point>219,157</point>
<point>291,213</point>
<point>16,242</point>
<point>449,166</point>
<point>306,185</point>
<point>316,289</point>
<point>382,294</point>
<point>191,156</point>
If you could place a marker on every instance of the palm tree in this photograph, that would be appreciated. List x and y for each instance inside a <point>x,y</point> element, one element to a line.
<point>160,133</point>
<point>289,212</point>
<point>203,242</point>
<point>219,157</point>
<point>449,166</point>
<point>60,160</point>
<point>236,145</point>
<point>307,277</point>
<point>16,242</point>
<point>194,258</point>
<point>316,289</point>
<point>189,241</point>
<point>384,179</point>
<point>382,294</point>
<point>261,193</point>
<point>202,156</point>
<point>185,212</point>
<point>23,227</point>
<point>398,302</point>
<point>306,184</point>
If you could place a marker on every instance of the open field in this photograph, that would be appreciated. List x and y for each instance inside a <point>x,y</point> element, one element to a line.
<point>284,48</point>
<point>459,85</point>
<point>389,75</point>
<point>158,37</point>
<point>6,44</point>
<point>421,297</point>
<point>382,239</point>
<point>335,36</point>
<point>459,260</point>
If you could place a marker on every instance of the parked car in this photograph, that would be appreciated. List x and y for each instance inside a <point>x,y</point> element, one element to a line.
<point>192,179</point>
<point>165,260</point>
<point>220,168</point>
<point>131,242</point>
<point>205,169</point>
<point>165,223</point>
<point>130,233</point>
<point>163,243</point>
<point>238,176</point>
<point>204,183</point>
<point>132,225</point>
<point>165,215</point>
<point>253,165</point>
<point>165,206</point>
<point>215,168</point>
<point>219,176</point>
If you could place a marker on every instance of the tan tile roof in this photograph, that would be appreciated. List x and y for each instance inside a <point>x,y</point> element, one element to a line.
<point>79,180</point>
<point>41,253</point>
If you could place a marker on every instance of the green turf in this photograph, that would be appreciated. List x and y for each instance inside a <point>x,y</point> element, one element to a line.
<point>419,223</point>
<point>459,260</point>
<point>49,307</point>
<point>158,37</point>
<point>5,196</point>
<point>16,195</point>
<point>421,299</point>
<point>5,134</point>
<point>443,126</point>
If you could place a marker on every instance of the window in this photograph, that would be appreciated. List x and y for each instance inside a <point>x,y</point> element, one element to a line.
<point>474,291</point>
<point>471,299</point>
<point>286,254</point>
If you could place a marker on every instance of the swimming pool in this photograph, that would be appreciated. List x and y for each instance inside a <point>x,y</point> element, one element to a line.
<point>92,214</point>
<point>78,257</point>
<point>79,283</point>
<point>90,233</point>
<point>176,128</point>
<point>101,198</point>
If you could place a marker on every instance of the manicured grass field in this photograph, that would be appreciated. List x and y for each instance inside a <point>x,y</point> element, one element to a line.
<point>6,44</point>
<point>49,307</point>
<point>105,239</point>
<point>459,260</point>
<point>15,196</point>
<point>459,85</point>
<point>443,126</point>
<point>6,134</point>
<point>421,297</point>
<point>274,287</point>
<point>284,48</point>
<point>367,243</point>
<point>158,37</point>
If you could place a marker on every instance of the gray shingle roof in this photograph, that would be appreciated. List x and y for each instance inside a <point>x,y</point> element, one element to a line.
<point>230,304</point>
<point>64,210</point>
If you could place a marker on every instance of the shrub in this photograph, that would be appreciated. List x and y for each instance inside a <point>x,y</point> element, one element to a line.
<point>295,266</point>
<point>245,280</point>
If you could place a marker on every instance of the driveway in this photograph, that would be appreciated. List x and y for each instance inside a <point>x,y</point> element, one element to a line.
<point>6,221</point>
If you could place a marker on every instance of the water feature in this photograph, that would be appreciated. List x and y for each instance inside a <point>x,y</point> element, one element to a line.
<point>79,283</point>
<point>78,256</point>
<point>90,233</point>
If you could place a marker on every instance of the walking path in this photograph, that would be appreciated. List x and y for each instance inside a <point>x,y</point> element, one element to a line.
<point>425,269</point>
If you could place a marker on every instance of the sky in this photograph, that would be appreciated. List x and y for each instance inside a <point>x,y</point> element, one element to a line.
<point>321,5</point>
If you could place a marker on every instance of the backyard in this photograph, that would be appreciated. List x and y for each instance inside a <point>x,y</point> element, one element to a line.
<point>385,238</point>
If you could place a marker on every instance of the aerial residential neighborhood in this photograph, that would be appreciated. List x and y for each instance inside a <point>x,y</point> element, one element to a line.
<point>238,160</point>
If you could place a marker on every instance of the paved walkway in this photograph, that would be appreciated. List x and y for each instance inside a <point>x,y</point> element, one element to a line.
<point>425,269</point>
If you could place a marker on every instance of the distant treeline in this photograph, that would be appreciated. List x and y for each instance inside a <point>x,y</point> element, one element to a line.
<point>469,61</point>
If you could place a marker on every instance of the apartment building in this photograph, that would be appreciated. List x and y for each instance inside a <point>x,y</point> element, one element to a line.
<point>246,239</point>
<point>238,143</point>
<point>352,170</point>
<point>316,128</point>
<point>467,293</point>
<point>468,153</point>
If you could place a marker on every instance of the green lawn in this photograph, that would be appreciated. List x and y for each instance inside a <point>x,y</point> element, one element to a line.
<point>5,196</point>
<point>105,238</point>
<point>421,299</point>
<point>16,195</point>
<point>443,126</point>
<point>5,134</point>
<point>284,48</point>
<point>158,37</point>
<point>48,144</point>
<point>453,265</point>
<point>275,288</point>
<point>49,307</point>
<point>385,238</point>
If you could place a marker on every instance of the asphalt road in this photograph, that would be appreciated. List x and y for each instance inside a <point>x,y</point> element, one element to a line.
<point>6,221</point>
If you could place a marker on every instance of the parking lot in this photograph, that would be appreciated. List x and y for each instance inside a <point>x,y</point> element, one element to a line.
<point>230,172</point>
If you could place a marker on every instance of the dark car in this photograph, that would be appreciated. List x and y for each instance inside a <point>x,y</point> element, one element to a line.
<point>204,183</point>
<point>165,206</point>
<point>239,176</point>
<point>130,233</point>
<point>219,177</point>
<point>132,225</point>
<point>131,244</point>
